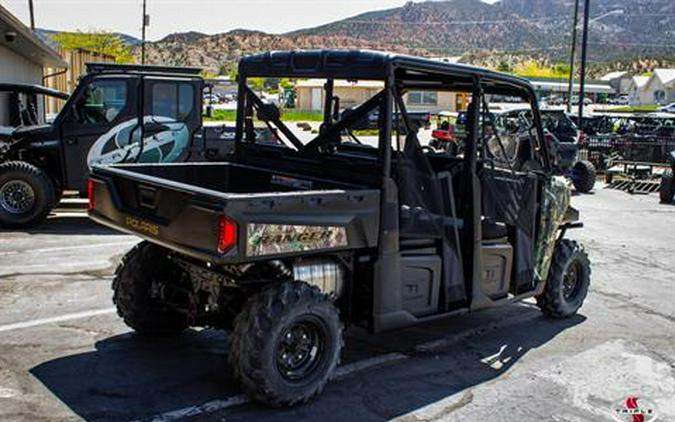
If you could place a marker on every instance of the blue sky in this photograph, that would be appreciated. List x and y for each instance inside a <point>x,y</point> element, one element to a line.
<point>209,16</point>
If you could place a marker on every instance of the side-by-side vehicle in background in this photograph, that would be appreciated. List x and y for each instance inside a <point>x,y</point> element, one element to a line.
<point>286,244</point>
<point>113,108</point>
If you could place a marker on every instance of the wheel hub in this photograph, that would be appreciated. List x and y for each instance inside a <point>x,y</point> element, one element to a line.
<point>300,349</point>
<point>17,197</point>
<point>571,281</point>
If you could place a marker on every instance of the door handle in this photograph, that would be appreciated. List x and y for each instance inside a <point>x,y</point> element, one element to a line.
<point>71,141</point>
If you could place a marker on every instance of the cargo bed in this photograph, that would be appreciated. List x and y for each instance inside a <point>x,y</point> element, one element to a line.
<point>193,208</point>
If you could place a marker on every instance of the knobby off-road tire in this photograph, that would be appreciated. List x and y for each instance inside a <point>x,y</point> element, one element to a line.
<point>561,298</point>
<point>585,174</point>
<point>667,188</point>
<point>132,286</point>
<point>269,331</point>
<point>26,195</point>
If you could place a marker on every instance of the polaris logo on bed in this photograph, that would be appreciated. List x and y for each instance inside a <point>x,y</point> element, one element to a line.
<point>141,226</point>
<point>271,239</point>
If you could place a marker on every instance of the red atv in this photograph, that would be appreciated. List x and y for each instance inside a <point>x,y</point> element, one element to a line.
<point>445,136</point>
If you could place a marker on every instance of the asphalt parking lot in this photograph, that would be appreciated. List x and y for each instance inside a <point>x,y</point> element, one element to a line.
<point>65,355</point>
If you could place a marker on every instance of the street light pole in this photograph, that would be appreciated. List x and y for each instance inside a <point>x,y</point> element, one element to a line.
<point>584,53</point>
<point>145,21</point>
<point>573,52</point>
<point>31,9</point>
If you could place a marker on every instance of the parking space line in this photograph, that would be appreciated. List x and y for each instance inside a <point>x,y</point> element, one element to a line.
<point>361,365</point>
<point>70,248</point>
<point>52,320</point>
<point>206,408</point>
<point>218,405</point>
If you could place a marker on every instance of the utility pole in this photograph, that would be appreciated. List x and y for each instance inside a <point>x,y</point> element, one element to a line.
<point>584,53</point>
<point>146,22</point>
<point>32,14</point>
<point>570,90</point>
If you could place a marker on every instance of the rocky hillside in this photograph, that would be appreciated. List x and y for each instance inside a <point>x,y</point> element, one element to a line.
<point>539,28</point>
<point>216,52</point>
<point>459,26</point>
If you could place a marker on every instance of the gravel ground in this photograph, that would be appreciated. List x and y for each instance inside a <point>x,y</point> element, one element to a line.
<point>65,355</point>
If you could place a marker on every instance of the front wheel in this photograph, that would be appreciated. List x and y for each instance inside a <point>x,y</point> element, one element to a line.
<point>26,195</point>
<point>568,281</point>
<point>667,188</point>
<point>286,344</point>
<point>583,176</point>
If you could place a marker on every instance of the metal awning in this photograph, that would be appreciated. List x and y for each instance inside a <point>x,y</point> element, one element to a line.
<point>564,86</point>
<point>26,43</point>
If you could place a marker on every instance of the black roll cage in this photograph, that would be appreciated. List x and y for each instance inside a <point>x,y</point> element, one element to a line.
<point>400,74</point>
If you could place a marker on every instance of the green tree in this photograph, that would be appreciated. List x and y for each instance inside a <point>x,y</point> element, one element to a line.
<point>256,84</point>
<point>99,42</point>
<point>504,67</point>
<point>532,68</point>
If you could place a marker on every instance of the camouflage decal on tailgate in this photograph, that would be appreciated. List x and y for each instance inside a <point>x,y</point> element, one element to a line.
<point>270,239</point>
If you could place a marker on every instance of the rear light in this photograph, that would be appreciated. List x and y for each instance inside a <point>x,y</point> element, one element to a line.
<point>227,234</point>
<point>90,193</point>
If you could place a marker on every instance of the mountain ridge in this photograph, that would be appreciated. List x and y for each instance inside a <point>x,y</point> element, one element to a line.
<point>508,30</point>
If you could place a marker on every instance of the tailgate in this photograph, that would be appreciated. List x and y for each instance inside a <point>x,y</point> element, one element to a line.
<point>181,217</point>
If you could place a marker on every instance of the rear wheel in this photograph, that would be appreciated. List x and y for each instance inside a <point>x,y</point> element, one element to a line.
<point>26,195</point>
<point>667,188</point>
<point>135,291</point>
<point>583,176</point>
<point>286,344</point>
<point>568,281</point>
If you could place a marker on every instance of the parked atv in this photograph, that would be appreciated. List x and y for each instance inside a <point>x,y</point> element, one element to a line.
<point>285,245</point>
<point>443,137</point>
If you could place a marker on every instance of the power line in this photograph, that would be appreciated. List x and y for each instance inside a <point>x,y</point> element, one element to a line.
<point>485,22</point>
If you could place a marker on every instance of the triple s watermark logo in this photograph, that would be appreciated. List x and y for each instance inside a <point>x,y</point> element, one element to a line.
<point>634,409</point>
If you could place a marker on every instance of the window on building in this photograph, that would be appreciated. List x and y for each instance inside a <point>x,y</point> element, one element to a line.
<point>422,98</point>
<point>172,100</point>
<point>102,102</point>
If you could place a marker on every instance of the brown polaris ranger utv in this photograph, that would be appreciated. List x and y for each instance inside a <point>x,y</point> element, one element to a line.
<point>287,244</point>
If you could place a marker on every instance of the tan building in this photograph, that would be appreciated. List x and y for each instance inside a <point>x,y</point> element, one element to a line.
<point>310,96</point>
<point>66,80</point>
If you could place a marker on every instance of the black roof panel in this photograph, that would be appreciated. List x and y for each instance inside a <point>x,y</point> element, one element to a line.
<point>355,64</point>
<point>138,68</point>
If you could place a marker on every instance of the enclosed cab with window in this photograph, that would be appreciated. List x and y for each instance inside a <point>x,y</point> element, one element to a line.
<point>117,114</point>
